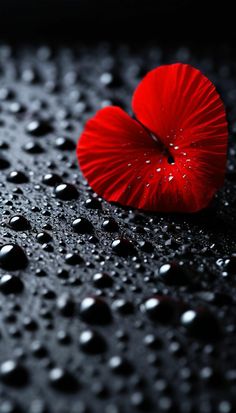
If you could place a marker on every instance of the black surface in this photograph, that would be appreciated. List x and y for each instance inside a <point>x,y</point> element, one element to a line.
<point>89,20</point>
<point>119,352</point>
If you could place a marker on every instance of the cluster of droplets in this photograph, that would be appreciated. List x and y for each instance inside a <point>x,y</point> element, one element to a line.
<point>102,308</point>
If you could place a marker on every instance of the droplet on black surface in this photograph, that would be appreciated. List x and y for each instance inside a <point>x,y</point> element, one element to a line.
<point>10,284</point>
<point>120,365</point>
<point>38,128</point>
<point>6,93</point>
<point>72,258</point>
<point>140,401</point>
<point>102,280</point>
<point>12,257</point>
<point>43,237</point>
<point>65,144</point>
<point>110,79</point>
<point>110,225</point>
<point>160,309</point>
<point>33,148</point>
<point>66,305</point>
<point>3,145</point>
<point>16,107</point>
<point>62,380</point>
<point>66,192</point>
<point>150,340</point>
<point>123,306</point>
<point>93,203</point>
<point>51,179</point>
<point>17,177</point>
<point>38,349</point>
<point>92,342</point>
<point>174,274</point>
<point>146,246</point>
<point>13,374</point>
<point>201,324</point>
<point>82,226</point>
<point>4,164</point>
<point>123,247</point>
<point>19,223</point>
<point>92,239</point>
<point>63,337</point>
<point>95,310</point>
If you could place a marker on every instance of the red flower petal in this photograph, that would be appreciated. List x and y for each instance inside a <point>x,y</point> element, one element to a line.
<point>183,109</point>
<point>180,164</point>
<point>112,153</point>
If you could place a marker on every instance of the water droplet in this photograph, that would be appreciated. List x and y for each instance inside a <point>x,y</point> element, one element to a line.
<point>4,164</point>
<point>95,310</point>
<point>66,305</point>
<point>92,342</point>
<point>110,225</point>
<point>17,177</point>
<point>12,257</point>
<point>102,280</point>
<point>19,223</point>
<point>93,203</point>
<point>10,284</point>
<point>161,309</point>
<point>66,192</point>
<point>82,225</point>
<point>43,237</point>
<point>201,324</point>
<point>13,374</point>
<point>62,380</point>
<point>38,128</point>
<point>51,179</point>
<point>64,144</point>
<point>120,365</point>
<point>123,247</point>
<point>174,274</point>
<point>33,148</point>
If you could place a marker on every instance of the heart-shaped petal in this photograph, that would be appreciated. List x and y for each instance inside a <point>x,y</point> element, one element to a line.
<point>173,158</point>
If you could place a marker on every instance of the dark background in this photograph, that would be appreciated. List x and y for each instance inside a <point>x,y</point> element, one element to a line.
<point>90,20</point>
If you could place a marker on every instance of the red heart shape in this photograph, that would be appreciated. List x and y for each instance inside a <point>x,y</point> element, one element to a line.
<point>173,157</point>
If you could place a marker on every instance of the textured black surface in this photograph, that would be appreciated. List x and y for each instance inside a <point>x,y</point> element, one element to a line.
<point>157,341</point>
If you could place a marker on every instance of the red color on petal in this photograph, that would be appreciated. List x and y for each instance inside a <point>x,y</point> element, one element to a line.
<point>184,122</point>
